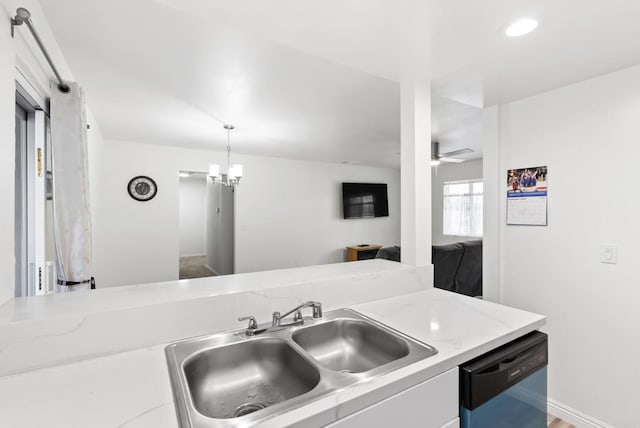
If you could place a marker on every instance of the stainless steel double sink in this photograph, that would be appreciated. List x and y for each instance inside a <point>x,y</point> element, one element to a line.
<point>232,379</point>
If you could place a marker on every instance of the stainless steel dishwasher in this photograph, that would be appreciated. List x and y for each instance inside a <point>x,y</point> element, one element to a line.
<point>507,387</point>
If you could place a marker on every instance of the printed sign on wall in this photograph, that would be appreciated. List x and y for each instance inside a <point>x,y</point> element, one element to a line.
<point>527,196</point>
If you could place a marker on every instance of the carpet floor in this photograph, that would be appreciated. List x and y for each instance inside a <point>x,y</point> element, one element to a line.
<point>194,267</point>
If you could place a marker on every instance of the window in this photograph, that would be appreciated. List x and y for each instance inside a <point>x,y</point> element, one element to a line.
<point>462,208</point>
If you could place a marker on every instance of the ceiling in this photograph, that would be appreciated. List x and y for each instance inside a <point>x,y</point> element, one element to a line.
<point>319,79</point>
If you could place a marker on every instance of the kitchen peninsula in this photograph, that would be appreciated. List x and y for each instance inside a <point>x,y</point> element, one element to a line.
<point>97,359</point>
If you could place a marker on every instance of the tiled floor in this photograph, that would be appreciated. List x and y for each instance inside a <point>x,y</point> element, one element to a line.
<point>553,422</point>
<point>194,267</point>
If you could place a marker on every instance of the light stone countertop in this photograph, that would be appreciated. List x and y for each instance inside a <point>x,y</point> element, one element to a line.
<point>142,295</point>
<point>132,389</point>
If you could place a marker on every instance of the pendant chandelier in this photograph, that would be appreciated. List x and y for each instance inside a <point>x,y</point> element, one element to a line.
<point>234,172</point>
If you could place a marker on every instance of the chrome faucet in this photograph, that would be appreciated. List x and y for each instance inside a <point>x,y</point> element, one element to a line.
<point>253,328</point>
<point>297,317</point>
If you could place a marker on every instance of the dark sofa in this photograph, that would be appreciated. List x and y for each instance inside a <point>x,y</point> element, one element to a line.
<point>456,267</point>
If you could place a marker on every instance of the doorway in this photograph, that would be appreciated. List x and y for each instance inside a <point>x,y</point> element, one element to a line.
<point>206,227</point>
<point>21,208</point>
<point>193,248</point>
<point>33,248</point>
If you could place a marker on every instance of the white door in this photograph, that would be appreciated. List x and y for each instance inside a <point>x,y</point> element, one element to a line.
<point>38,177</point>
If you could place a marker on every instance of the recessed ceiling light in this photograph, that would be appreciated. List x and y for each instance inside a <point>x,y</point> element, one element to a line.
<point>521,27</point>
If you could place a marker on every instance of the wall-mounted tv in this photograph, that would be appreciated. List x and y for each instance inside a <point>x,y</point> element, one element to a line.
<point>364,200</point>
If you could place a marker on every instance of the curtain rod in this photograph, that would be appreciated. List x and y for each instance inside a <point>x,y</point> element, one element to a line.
<point>23,16</point>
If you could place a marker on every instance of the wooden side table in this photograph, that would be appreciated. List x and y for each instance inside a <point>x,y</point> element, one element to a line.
<point>362,252</point>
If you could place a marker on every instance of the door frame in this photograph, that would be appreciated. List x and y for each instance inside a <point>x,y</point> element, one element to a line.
<point>30,188</point>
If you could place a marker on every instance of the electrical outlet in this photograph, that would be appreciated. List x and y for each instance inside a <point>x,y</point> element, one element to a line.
<point>609,254</point>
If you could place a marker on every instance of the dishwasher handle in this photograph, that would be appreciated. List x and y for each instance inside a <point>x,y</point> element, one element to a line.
<point>511,361</point>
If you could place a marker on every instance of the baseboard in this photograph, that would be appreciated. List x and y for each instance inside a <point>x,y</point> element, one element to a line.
<point>193,255</point>
<point>212,270</point>
<point>573,416</point>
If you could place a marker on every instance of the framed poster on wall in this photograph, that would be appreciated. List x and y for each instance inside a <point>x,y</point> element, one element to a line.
<point>527,196</point>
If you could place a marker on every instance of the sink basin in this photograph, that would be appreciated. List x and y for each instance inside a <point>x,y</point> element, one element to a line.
<point>350,346</point>
<point>235,380</point>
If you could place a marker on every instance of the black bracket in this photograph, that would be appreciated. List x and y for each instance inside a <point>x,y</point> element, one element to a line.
<point>14,23</point>
<point>22,14</point>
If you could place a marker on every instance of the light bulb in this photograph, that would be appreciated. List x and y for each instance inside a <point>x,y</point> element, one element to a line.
<point>214,171</point>
<point>232,172</point>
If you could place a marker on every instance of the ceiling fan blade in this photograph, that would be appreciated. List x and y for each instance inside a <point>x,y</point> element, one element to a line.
<point>456,153</point>
<point>450,160</point>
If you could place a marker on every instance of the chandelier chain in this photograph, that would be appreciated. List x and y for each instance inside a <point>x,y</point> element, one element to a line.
<point>228,148</point>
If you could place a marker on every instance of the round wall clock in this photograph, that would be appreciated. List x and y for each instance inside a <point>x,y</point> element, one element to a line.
<point>142,188</point>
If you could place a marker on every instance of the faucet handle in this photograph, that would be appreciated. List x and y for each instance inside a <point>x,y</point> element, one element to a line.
<point>275,319</point>
<point>317,309</point>
<point>253,324</point>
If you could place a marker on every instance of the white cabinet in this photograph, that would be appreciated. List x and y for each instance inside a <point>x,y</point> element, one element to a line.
<point>430,404</point>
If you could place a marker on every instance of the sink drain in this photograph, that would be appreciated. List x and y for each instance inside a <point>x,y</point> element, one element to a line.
<point>247,408</point>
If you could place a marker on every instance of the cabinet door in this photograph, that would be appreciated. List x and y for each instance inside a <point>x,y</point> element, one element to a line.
<point>430,404</point>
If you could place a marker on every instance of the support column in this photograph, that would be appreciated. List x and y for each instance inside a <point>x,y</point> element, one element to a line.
<point>494,195</point>
<point>415,175</point>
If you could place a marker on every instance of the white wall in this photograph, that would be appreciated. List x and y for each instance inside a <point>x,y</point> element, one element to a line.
<point>449,172</point>
<point>288,212</point>
<point>588,135</point>
<point>7,156</point>
<point>192,213</point>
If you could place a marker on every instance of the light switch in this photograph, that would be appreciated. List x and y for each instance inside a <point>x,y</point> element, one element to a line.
<point>609,254</point>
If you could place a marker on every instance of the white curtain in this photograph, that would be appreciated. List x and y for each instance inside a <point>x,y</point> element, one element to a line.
<point>71,211</point>
<point>462,208</point>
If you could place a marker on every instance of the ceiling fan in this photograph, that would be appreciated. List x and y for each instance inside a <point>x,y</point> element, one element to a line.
<point>449,157</point>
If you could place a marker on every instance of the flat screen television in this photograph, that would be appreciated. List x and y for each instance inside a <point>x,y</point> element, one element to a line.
<point>364,200</point>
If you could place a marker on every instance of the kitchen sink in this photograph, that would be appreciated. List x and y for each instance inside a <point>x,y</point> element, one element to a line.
<point>350,346</point>
<point>234,379</point>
